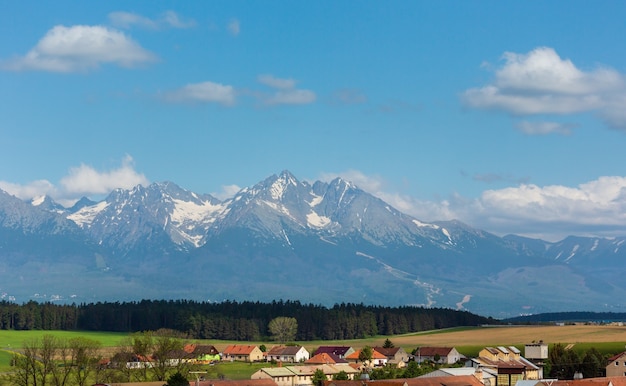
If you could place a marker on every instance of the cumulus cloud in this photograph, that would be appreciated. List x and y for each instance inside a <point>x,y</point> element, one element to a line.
<point>594,208</point>
<point>80,48</point>
<point>541,82</point>
<point>83,180</point>
<point>204,92</point>
<point>169,19</point>
<point>285,92</point>
<point>32,189</point>
<point>544,128</point>
<point>234,27</point>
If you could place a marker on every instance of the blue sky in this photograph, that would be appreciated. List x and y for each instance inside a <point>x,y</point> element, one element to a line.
<point>509,116</point>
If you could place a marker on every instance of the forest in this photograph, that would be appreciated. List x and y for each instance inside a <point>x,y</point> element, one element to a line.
<point>232,320</point>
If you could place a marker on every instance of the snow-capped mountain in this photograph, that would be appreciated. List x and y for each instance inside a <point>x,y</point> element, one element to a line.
<point>290,239</point>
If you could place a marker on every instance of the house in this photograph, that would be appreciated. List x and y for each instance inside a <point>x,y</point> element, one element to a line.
<point>202,353</point>
<point>461,380</point>
<point>240,352</point>
<point>441,355</point>
<point>301,375</point>
<point>617,365</point>
<point>243,382</point>
<point>291,354</point>
<point>378,359</point>
<point>395,355</point>
<point>601,381</point>
<point>340,351</point>
<point>325,359</point>
<point>506,364</point>
<point>282,376</point>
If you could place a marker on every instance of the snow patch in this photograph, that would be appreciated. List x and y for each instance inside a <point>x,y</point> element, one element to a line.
<point>424,225</point>
<point>85,216</point>
<point>315,201</point>
<point>191,211</point>
<point>595,244</point>
<point>38,200</point>
<point>316,221</point>
<point>572,253</point>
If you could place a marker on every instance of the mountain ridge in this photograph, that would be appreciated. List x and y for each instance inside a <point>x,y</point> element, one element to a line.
<point>328,242</point>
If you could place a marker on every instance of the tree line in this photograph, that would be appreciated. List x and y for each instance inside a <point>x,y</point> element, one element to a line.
<point>232,320</point>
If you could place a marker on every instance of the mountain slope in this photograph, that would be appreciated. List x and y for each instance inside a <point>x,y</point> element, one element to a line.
<point>324,242</point>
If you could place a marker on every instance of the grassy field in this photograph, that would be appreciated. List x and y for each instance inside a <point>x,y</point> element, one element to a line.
<point>10,340</point>
<point>468,341</point>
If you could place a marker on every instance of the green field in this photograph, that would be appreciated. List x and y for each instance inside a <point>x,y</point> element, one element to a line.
<point>468,341</point>
<point>10,340</point>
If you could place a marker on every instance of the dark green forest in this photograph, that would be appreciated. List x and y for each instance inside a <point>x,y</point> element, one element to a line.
<point>231,320</point>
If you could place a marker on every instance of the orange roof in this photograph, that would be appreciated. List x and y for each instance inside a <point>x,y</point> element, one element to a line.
<point>239,349</point>
<point>375,355</point>
<point>322,359</point>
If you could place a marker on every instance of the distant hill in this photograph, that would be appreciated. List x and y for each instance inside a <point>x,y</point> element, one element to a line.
<point>602,317</point>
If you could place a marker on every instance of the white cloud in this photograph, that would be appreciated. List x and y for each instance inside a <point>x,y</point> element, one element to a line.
<point>32,189</point>
<point>127,20</point>
<point>291,97</point>
<point>279,83</point>
<point>544,128</point>
<point>541,82</point>
<point>80,48</point>
<point>85,180</point>
<point>170,19</point>
<point>285,92</point>
<point>80,181</point>
<point>594,208</point>
<point>208,92</point>
<point>227,191</point>
<point>234,28</point>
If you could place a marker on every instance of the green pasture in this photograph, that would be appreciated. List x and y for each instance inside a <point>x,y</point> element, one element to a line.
<point>13,340</point>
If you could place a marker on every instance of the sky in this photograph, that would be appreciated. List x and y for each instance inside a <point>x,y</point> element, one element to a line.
<point>509,116</point>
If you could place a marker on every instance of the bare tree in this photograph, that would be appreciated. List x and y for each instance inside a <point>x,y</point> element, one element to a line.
<point>85,358</point>
<point>283,329</point>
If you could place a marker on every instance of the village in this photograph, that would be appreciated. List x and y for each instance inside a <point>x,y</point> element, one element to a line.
<point>293,365</point>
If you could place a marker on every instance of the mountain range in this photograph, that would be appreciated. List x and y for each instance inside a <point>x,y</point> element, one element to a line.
<point>321,243</point>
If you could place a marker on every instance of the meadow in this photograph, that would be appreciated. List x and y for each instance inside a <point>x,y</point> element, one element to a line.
<point>468,341</point>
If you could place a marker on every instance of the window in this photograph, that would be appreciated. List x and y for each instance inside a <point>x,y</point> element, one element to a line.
<point>616,363</point>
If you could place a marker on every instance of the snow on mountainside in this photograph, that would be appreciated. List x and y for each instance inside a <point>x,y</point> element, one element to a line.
<point>183,216</point>
<point>279,237</point>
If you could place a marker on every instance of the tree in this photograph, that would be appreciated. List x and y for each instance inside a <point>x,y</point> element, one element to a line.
<point>318,377</point>
<point>365,355</point>
<point>388,344</point>
<point>177,379</point>
<point>592,363</point>
<point>283,328</point>
<point>168,352</point>
<point>85,358</point>
<point>412,370</point>
<point>341,376</point>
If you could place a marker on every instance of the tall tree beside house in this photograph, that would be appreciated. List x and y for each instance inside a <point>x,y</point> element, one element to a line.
<point>388,344</point>
<point>318,377</point>
<point>283,329</point>
<point>366,354</point>
<point>341,376</point>
<point>564,363</point>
